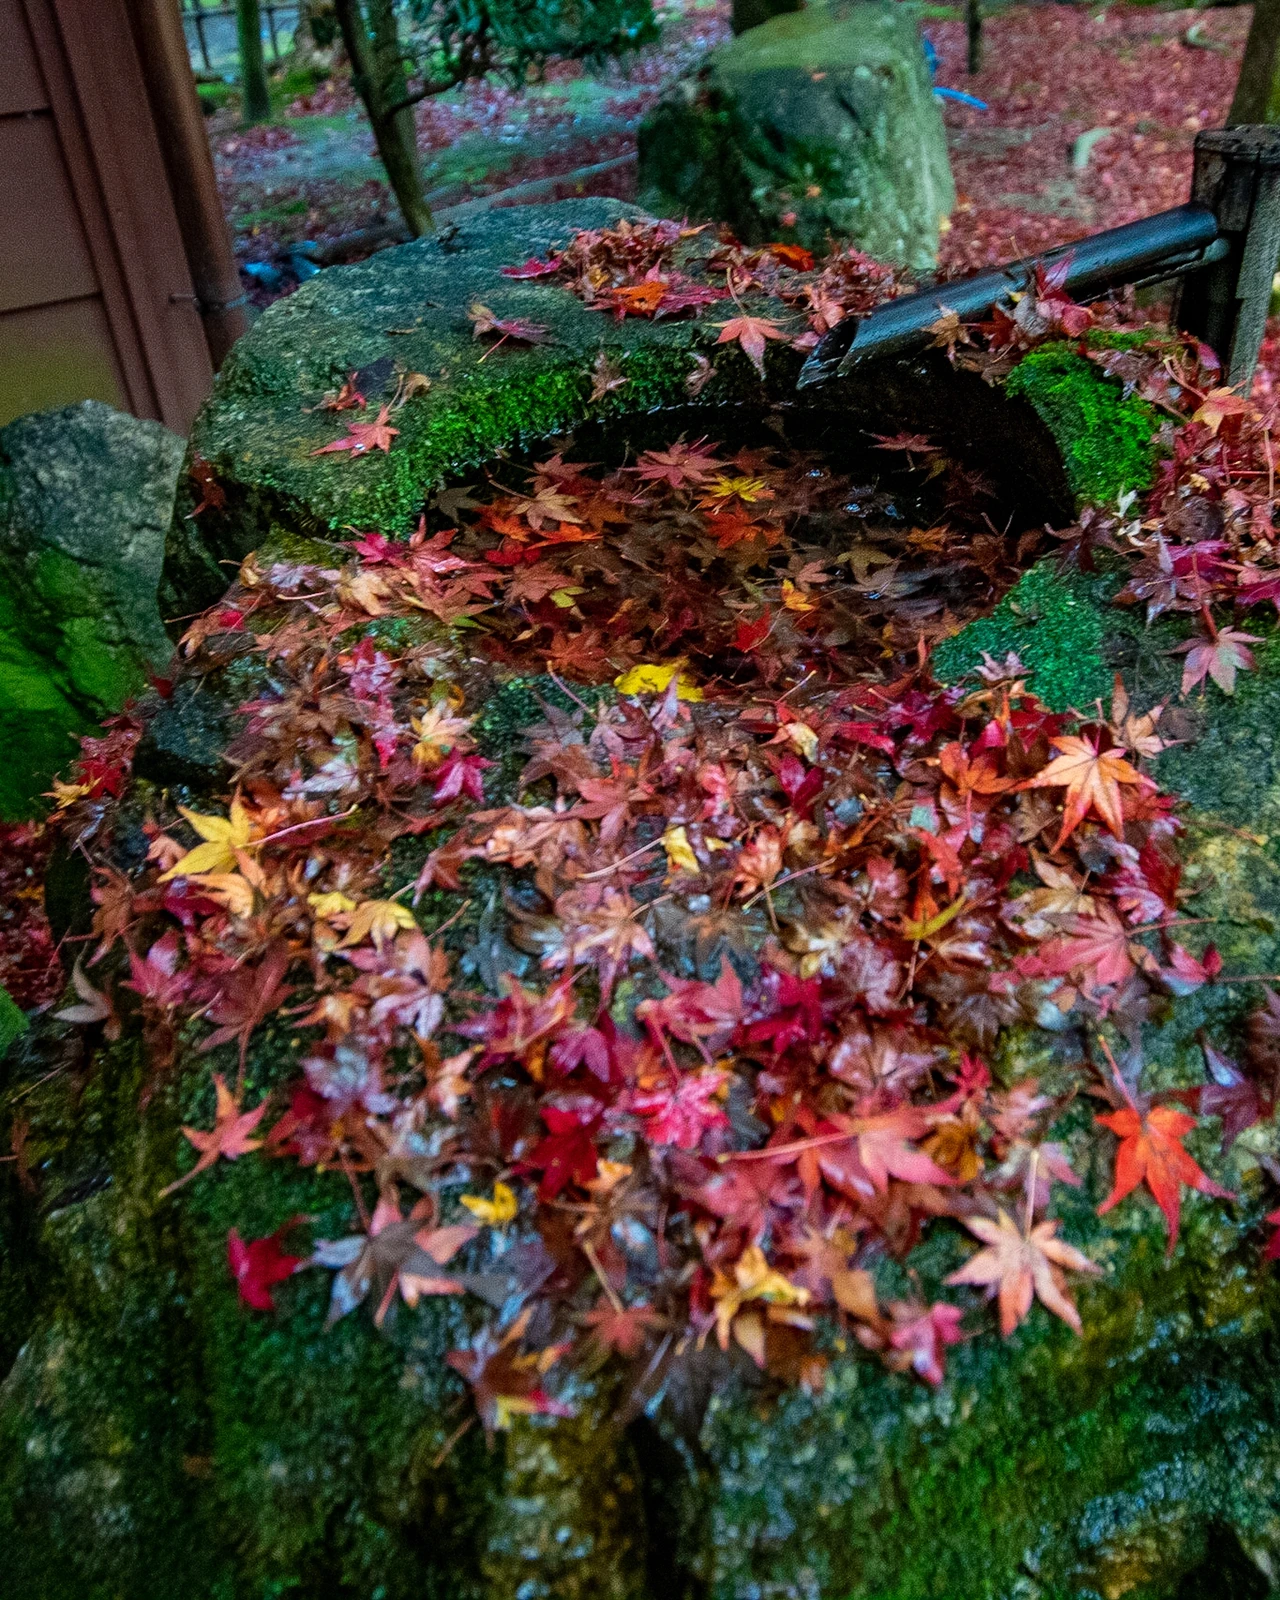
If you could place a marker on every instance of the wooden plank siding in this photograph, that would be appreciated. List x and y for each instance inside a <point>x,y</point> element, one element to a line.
<point>96,299</point>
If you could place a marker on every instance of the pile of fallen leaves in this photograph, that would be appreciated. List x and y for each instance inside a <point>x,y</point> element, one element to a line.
<point>676,1032</point>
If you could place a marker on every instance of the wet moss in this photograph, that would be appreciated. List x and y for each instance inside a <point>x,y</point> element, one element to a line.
<point>1055,621</point>
<point>1105,436</point>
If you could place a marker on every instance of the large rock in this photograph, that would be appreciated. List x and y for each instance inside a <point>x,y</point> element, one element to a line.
<point>160,1440</point>
<point>405,310</point>
<point>86,494</point>
<point>815,125</point>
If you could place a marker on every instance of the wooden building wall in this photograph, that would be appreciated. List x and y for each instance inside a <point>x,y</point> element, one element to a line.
<point>96,299</point>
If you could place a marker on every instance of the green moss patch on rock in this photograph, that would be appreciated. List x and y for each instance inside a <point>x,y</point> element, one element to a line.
<point>86,494</point>
<point>1054,621</point>
<point>1105,436</point>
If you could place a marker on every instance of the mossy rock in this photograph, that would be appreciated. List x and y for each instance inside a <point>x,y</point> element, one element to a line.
<point>162,1439</point>
<point>406,310</point>
<point>86,494</point>
<point>818,124</point>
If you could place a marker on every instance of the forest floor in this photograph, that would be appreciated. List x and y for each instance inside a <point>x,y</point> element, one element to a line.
<point>1089,122</point>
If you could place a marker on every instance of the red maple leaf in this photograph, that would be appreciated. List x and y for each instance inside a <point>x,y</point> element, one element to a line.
<point>484,322</point>
<point>621,1328</point>
<point>260,1263</point>
<point>248,997</point>
<point>680,1112</point>
<point>1229,1094</point>
<point>568,1152</point>
<point>364,436</point>
<point>533,268</point>
<point>922,1336</point>
<point>1151,1151</point>
<point>680,465</point>
<point>1219,658</point>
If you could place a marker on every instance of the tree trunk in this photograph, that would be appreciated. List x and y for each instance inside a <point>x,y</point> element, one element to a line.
<point>255,96</point>
<point>973,27</point>
<point>378,77</point>
<point>314,35</point>
<point>1255,99</point>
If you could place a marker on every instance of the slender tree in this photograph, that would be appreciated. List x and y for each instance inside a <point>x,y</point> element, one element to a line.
<point>255,96</point>
<point>1256,98</point>
<point>373,47</point>
<point>973,28</point>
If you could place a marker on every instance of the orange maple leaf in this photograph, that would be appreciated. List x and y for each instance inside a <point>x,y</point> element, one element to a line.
<point>228,1137</point>
<point>1092,779</point>
<point>1151,1151</point>
<point>639,299</point>
<point>1021,1266</point>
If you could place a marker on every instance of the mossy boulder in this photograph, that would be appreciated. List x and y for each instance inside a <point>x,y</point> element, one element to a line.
<point>819,124</point>
<point>86,494</point>
<point>158,1438</point>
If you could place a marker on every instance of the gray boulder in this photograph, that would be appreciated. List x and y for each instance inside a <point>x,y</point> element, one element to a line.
<point>86,494</point>
<point>817,124</point>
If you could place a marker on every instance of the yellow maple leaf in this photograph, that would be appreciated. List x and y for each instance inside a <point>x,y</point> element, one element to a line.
<point>229,888</point>
<point>494,1213</point>
<point>378,920</point>
<point>333,904</point>
<point>803,737</point>
<point>652,677</point>
<point>438,731</point>
<point>752,1279</point>
<point>680,856</point>
<point>793,599</point>
<point>222,837</point>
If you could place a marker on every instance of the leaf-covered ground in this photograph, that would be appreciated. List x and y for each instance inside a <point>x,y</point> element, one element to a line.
<point>1137,81</point>
<point>652,931</point>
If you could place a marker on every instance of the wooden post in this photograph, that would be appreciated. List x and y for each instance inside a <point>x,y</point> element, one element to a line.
<point>184,142</point>
<point>1237,175</point>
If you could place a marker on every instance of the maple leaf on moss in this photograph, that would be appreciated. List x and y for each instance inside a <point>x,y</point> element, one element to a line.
<point>228,1137</point>
<point>1092,778</point>
<point>1219,658</point>
<point>248,997</point>
<point>794,256</point>
<point>921,1337</point>
<point>1151,1152</point>
<point>485,322</point>
<point>533,268</point>
<point>361,437</point>
<point>622,1328</point>
<point>751,333</point>
<point>1020,1267</point>
<point>378,920</point>
<point>258,1264</point>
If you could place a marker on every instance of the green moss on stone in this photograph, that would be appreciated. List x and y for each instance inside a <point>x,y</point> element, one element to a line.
<point>1104,435</point>
<point>1055,621</point>
<point>407,309</point>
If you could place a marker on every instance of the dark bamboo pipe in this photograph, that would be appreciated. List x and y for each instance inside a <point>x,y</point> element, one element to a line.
<point>1164,246</point>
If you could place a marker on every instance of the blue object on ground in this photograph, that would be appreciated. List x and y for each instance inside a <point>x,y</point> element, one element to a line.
<point>263,274</point>
<point>961,98</point>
